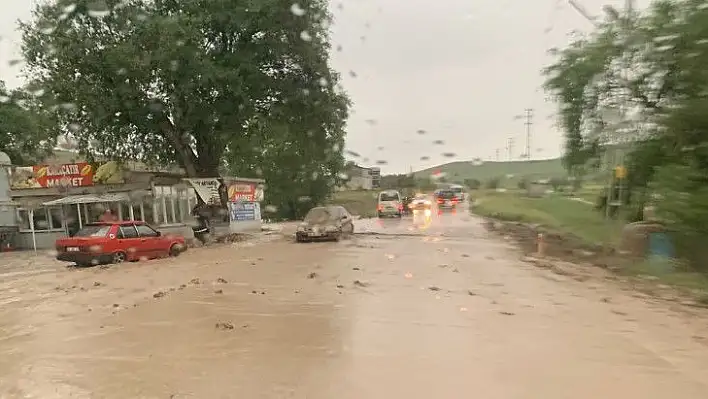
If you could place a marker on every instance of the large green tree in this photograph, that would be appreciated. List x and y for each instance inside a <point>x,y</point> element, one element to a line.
<point>652,63</point>
<point>205,84</point>
<point>26,132</point>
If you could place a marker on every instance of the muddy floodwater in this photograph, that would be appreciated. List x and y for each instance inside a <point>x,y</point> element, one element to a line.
<point>411,308</point>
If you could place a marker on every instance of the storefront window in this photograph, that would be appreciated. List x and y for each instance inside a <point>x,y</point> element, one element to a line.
<point>171,205</point>
<point>45,219</point>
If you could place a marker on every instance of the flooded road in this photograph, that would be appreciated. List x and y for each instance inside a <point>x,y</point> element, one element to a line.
<point>406,309</point>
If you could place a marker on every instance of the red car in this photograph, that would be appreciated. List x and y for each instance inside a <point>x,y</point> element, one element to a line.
<point>117,242</point>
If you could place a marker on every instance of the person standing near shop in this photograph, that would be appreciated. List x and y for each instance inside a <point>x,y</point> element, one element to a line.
<point>108,216</point>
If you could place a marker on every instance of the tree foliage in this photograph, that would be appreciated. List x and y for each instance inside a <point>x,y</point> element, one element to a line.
<point>26,133</point>
<point>183,81</point>
<point>653,65</point>
<point>210,85</point>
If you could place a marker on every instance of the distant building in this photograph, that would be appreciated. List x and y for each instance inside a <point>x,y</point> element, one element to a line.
<point>361,178</point>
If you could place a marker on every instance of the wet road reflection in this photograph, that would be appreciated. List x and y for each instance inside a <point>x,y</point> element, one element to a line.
<point>398,311</point>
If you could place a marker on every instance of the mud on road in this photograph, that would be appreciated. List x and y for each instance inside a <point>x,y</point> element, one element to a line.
<point>406,310</point>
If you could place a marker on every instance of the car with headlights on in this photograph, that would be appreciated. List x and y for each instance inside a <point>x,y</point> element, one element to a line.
<point>420,203</point>
<point>325,223</point>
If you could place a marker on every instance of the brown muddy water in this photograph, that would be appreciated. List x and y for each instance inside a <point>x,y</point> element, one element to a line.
<point>406,309</point>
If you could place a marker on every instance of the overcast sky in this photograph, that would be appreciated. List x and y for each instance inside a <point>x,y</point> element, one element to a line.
<point>458,69</point>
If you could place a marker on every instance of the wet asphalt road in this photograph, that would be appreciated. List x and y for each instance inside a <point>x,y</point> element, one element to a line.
<point>408,308</point>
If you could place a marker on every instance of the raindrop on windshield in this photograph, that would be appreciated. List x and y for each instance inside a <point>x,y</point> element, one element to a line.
<point>98,9</point>
<point>297,10</point>
<point>305,35</point>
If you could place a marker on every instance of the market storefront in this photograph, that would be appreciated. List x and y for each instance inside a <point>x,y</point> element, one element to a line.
<point>55,201</point>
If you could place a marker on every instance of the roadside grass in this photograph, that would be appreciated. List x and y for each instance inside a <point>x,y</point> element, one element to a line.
<point>564,215</point>
<point>590,193</point>
<point>358,202</point>
<point>555,212</point>
<point>695,283</point>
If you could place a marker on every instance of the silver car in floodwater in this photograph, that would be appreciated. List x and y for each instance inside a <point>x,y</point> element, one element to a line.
<point>325,223</point>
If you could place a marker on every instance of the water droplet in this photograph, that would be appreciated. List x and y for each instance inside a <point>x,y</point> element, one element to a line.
<point>382,162</point>
<point>448,154</point>
<point>14,62</point>
<point>323,82</point>
<point>98,9</point>
<point>421,131</point>
<point>352,74</point>
<point>353,154</point>
<point>339,48</point>
<point>438,142</point>
<point>297,10</point>
<point>304,35</point>
<point>424,158</point>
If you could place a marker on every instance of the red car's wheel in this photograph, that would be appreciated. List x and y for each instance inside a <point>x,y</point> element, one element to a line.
<point>175,250</point>
<point>118,257</point>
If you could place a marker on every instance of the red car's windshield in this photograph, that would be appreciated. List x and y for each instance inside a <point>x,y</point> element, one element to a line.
<point>93,231</point>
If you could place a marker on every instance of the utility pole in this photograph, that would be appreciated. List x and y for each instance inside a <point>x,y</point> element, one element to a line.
<point>510,147</point>
<point>528,123</point>
<point>612,160</point>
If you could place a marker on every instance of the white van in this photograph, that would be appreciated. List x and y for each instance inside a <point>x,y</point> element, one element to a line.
<point>390,204</point>
<point>459,191</point>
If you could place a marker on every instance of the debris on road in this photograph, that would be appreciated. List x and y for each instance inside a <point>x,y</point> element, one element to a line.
<point>219,291</point>
<point>507,313</point>
<point>434,288</point>
<point>221,281</point>
<point>195,281</point>
<point>360,283</point>
<point>312,275</point>
<point>470,293</point>
<point>224,326</point>
<point>159,294</point>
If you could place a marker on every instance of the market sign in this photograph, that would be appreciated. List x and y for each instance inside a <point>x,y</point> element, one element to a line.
<point>46,176</point>
<point>242,192</point>
<point>78,174</point>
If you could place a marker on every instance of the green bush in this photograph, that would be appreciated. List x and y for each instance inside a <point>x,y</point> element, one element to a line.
<point>493,183</point>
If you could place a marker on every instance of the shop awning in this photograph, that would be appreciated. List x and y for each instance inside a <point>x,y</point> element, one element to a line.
<point>90,199</point>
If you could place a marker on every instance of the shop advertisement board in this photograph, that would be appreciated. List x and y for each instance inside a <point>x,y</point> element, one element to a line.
<point>207,189</point>
<point>244,211</point>
<point>242,192</point>
<point>79,174</point>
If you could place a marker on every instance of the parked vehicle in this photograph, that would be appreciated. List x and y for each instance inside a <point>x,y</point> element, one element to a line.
<point>325,223</point>
<point>390,204</point>
<point>117,242</point>
<point>202,228</point>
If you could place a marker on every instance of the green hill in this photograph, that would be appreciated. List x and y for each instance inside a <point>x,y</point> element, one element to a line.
<point>459,171</point>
